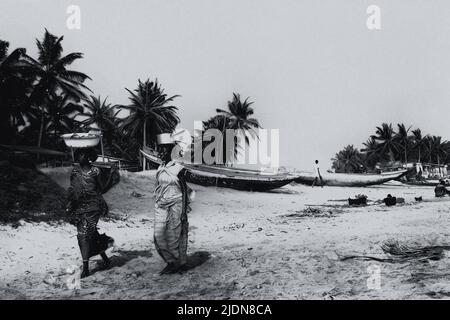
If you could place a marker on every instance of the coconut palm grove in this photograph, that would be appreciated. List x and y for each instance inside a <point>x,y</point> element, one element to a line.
<point>42,98</point>
<point>388,146</point>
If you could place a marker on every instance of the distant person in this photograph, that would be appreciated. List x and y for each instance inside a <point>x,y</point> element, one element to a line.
<point>426,173</point>
<point>86,205</point>
<point>378,168</point>
<point>419,171</point>
<point>317,175</point>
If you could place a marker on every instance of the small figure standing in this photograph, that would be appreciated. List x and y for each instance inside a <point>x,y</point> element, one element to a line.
<point>419,171</point>
<point>317,175</point>
<point>86,205</point>
<point>171,208</point>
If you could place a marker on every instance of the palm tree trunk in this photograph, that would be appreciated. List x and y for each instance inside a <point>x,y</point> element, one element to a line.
<point>41,130</point>
<point>144,142</point>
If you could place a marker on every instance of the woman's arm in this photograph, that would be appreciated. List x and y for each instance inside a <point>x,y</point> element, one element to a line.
<point>72,193</point>
<point>182,177</point>
<point>103,185</point>
<point>184,188</point>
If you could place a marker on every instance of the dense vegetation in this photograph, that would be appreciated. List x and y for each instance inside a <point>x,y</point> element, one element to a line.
<point>42,97</point>
<point>387,146</point>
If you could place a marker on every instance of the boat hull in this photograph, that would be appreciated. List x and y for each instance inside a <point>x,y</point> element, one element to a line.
<point>246,180</point>
<point>350,180</point>
<point>235,179</point>
<point>426,183</point>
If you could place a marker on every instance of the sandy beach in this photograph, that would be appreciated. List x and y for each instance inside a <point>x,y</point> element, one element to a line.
<point>262,246</point>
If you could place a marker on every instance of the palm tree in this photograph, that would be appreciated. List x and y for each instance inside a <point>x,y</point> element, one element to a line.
<point>370,151</point>
<point>4,45</point>
<point>437,149</point>
<point>53,77</point>
<point>221,123</point>
<point>61,116</point>
<point>403,139</point>
<point>348,160</point>
<point>101,114</point>
<point>238,117</point>
<point>150,112</point>
<point>15,84</point>
<point>419,142</point>
<point>387,144</point>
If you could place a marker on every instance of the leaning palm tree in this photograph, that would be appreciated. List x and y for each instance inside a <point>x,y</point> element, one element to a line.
<point>387,144</point>
<point>403,140</point>
<point>151,112</point>
<point>53,76</point>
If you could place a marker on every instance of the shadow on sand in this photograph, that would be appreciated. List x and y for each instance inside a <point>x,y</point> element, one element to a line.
<point>120,258</point>
<point>197,258</point>
<point>282,191</point>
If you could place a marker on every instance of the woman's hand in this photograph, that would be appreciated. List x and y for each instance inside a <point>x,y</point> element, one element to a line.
<point>104,185</point>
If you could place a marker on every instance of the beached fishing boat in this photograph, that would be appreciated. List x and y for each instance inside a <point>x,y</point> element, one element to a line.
<point>240,179</point>
<point>350,179</point>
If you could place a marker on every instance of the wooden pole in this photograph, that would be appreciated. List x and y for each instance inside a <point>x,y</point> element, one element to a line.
<point>143,162</point>
<point>101,145</point>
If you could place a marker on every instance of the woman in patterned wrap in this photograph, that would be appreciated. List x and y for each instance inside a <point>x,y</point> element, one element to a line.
<point>171,208</point>
<point>86,205</point>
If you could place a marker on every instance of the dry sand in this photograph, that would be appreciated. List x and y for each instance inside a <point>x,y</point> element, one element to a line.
<point>260,248</point>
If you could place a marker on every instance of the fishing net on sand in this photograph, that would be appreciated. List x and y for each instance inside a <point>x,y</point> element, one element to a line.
<point>398,252</point>
<point>314,213</point>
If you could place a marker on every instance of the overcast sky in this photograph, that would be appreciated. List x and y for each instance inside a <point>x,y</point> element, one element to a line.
<point>313,68</point>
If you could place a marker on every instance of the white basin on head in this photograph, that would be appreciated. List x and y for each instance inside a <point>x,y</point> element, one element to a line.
<point>81,140</point>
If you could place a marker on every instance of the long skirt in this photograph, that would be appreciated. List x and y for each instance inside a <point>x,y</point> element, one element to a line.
<point>171,233</point>
<point>89,235</point>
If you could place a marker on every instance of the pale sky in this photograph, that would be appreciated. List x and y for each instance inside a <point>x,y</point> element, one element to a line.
<point>313,68</point>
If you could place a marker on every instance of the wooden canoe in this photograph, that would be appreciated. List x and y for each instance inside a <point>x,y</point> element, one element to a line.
<point>240,179</point>
<point>350,179</point>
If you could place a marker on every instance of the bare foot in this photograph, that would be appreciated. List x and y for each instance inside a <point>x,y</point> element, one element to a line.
<point>84,274</point>
<point>172,268</point>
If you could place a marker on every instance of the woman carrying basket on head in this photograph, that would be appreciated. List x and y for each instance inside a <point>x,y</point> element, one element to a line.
<point>171,208</point>
<point>86,205</point>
